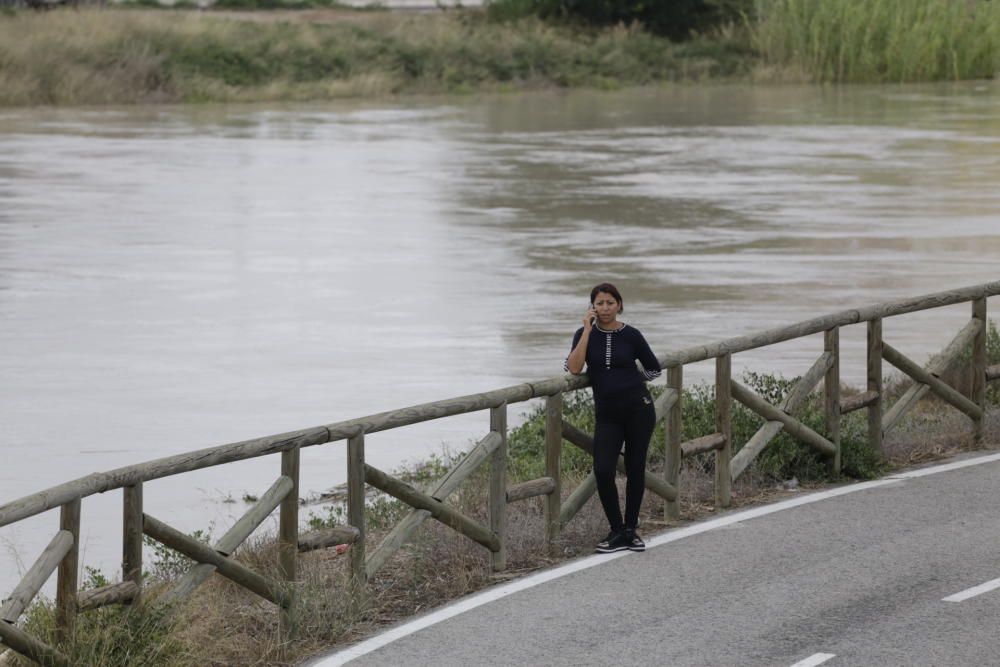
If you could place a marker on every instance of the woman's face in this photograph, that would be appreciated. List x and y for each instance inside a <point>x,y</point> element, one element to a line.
<point>606,307</point>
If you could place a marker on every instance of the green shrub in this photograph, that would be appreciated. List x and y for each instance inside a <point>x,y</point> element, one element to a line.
<point>993,359</point>
<point>381,512</point>
<point>676,19</point>
<point>274,4</point>
<point>145,4</point>
<point>168,564</point>
<point>783,458</point>
<point>511,10</point>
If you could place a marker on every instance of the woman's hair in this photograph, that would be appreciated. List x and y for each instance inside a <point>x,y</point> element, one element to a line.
<point>608,288</point>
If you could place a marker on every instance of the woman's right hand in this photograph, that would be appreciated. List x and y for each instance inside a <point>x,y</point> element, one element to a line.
<point>588,319</point>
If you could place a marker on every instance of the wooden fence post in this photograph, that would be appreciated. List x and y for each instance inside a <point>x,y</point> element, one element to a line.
<point>288,536</point>
<point>979,365</point>
<point>67,578</point>
<point>498,487</point>
<point>831,393</point>
<point>875,384</point>
<point>723,425</point>
<point>132,537</point>
<point>356,509</point>
<point>553,459</point>
<point>672,445</point>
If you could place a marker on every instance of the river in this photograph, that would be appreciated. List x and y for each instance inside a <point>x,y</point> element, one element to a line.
<point>179,277</point>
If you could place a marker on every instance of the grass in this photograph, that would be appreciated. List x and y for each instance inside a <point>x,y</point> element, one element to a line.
<point>314,50</point>
<point>141,56</point>
<point>223,624</point>
<point>881,41</point>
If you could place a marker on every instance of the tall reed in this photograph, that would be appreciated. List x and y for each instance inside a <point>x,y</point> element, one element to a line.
<point>881,40</point>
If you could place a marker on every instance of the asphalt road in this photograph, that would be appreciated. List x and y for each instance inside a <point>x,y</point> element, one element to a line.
<point>852,579</point>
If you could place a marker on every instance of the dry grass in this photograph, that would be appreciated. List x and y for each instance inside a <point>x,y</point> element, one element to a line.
<point>440,565</point>
<point>128,56</point>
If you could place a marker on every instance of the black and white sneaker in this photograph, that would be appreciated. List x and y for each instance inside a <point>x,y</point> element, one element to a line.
<point>612,543</point>
<point>633,540</point>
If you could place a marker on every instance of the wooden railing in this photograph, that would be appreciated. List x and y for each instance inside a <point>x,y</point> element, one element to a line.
<point>62,553</point>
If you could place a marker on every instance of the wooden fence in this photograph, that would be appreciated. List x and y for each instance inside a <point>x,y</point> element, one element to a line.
<point>62,553</point>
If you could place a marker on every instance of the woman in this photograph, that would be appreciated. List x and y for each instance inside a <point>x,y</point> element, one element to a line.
<point>623,407</point>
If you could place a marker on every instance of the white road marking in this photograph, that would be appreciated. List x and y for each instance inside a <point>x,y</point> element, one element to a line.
<point>815,659</point>
<point>498,592</point>
<point>946,467</point>
<point>973,592</point>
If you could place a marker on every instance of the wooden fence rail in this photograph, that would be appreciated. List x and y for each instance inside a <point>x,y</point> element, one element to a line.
<point>62,554</point>
<point>791,405</point>
<point>234,537</point>
<point>36,576</point>
<point>858,402</point>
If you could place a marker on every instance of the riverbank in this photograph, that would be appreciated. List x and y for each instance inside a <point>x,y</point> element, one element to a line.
<point>133,56</point>
<point>136,55</point>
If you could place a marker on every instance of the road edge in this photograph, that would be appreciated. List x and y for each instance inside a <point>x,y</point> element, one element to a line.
<point>492,594</point>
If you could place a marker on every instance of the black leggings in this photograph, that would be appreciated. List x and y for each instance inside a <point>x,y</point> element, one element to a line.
<point>629,419</point>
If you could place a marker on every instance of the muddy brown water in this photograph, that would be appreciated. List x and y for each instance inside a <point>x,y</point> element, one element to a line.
<point>178,277</point>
